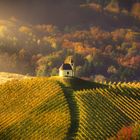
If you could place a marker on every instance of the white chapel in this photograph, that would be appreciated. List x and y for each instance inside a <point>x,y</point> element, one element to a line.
<point>67,69</point>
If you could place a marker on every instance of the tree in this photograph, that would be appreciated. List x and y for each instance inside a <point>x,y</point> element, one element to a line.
<point>22,54</point>
<point>99,78</point>
<point>41,71</point>
<point>128,133</point>
<point>78,71</point>
<point>136,10</point>
<point>113,6</point>
<point>54,72</point>
<point>25,29</point>
<point>112,70</point>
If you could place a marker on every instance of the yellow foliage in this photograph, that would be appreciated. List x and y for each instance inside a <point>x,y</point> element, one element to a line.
<point>113,7</point>
<point>25,29</point>
<point>136,10</point>
<point>3,29</point>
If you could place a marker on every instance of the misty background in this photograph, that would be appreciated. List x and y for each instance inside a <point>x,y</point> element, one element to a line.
<point>103,36</point>
<point>57,12</point>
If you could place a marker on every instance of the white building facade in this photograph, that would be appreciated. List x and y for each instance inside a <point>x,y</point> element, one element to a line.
<point>66,70</point>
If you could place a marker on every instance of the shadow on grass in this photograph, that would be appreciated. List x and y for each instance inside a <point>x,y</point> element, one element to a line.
<point>74,112</point>
<point>79,84</point>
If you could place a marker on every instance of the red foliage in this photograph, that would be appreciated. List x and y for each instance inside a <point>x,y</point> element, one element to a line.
<point>131,62</point>
<point>125,133</point>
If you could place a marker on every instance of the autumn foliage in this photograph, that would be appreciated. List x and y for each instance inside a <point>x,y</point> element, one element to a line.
<point>108,51</point>
<point>128,133</point>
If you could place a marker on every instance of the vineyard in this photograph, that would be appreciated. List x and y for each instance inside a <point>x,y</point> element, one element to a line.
<point>103,112</point>
<point>57,109</point>
<point>33,109</point>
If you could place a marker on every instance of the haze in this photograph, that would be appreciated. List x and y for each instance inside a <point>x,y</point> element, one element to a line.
<point>43,11</point>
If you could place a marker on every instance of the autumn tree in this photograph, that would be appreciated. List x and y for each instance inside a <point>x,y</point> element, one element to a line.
<point>136,10</point>
<point>113,6</point>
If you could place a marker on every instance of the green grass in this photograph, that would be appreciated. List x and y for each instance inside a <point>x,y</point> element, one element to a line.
<point>66,108</point>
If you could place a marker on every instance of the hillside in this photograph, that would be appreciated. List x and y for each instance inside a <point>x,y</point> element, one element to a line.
<point>39,50</point>
<point>102,37</point>
<point>5,76</point>
<point>66,108</point>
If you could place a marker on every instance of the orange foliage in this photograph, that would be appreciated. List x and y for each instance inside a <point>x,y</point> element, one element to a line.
<point>136,10</point>
<point>118,34</point>
<point>25,29</point>
<point>129,36</point>
<point>131,62</point>
<point>98,34</point>
<point>67,44</point>
<point>46,28</point>
<point>81,49</point>
<point>113,7</point>
<point>125,133</point>
<point>96,7</point>
<point>78,47</point>
<point>93,6</point>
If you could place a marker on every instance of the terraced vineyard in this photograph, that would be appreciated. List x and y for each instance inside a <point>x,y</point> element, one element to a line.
<point>104,111</point>
<point>57,109</point>
<point>33,109</point>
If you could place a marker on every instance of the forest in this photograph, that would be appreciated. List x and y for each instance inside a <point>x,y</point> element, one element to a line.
<point>106,48</point>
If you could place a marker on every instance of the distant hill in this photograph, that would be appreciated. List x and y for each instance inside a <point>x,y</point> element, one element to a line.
<point>41,49</point>
<point>103,39</point>
<point>66,108</point>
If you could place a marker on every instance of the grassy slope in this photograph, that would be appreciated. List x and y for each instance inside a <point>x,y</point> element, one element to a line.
<point>58,108</point>
<point>4,77</point>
